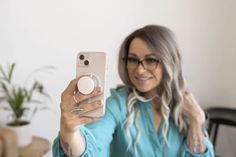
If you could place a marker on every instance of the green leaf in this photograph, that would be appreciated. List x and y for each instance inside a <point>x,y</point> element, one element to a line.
<point>5,90</point>
<point>17,96</point>
<point>10,73</point>
<point>17,103</point>
<point>3,73</point>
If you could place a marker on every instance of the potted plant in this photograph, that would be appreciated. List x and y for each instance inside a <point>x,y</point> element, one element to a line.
<point>18,100</point>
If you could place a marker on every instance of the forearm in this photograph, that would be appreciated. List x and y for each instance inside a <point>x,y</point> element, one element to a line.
<point>72,143</point>
<point>195,138</point>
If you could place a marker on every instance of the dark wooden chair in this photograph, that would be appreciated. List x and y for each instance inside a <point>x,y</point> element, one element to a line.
<point>217,116</point>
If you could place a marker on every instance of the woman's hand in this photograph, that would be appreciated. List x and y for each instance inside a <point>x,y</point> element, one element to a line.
<point>192,110</point>
<point>73,106</point>
<point>194,113</point>
<point>72,109</point>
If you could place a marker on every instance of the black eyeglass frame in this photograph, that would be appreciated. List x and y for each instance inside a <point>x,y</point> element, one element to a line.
<point>157,62</point>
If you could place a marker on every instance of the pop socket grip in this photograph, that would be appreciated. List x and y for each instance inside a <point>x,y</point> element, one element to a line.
<point>86,84</point>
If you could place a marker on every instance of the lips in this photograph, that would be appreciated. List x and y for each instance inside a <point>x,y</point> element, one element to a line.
<point>142,79</point>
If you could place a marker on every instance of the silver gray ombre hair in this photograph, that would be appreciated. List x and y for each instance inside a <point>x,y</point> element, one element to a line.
<point>162,42</point>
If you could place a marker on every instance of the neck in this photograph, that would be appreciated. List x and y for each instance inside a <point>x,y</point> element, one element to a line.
<point>156,104</point>
<point>153,93</point>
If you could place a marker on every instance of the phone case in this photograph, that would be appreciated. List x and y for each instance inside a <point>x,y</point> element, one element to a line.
<point>92,68</point>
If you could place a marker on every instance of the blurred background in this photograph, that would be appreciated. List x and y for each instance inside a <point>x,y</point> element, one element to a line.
<point>35,33</point>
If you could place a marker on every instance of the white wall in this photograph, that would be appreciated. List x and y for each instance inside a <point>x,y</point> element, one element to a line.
<point>51,32</point>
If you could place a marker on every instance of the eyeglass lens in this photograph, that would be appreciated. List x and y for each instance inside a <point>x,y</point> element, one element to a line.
<point>149,63</point>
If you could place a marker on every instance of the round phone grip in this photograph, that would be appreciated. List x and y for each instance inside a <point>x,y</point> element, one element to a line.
<point>87,84</point>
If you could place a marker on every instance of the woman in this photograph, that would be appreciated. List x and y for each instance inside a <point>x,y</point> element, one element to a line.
<point>152,115</point>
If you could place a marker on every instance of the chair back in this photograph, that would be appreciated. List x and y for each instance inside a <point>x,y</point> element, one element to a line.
<point>217,116</point>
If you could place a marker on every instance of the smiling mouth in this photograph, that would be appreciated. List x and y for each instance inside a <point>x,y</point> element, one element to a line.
<point>142,79</point>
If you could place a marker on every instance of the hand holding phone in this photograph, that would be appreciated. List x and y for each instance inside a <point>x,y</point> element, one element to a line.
<point>91,68</point>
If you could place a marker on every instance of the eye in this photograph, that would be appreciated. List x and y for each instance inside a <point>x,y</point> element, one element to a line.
<point>132,59</point>
<point>152,60</point>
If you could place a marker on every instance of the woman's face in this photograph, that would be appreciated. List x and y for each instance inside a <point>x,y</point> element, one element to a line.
<point>147,75</point>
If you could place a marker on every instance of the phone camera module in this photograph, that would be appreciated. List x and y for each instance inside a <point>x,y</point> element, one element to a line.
<point>81,57</point>
<point>86,62</point>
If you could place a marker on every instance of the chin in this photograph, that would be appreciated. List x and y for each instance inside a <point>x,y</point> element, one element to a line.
<point>147,90</point>
<point>144,89</point>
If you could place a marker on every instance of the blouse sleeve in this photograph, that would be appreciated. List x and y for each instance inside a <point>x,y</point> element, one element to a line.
<point>57,151</point>
<point>98,135</point>
<point>186,152</point>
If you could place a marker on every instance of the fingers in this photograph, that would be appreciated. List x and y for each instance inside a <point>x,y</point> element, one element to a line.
<point>78,97</point>
<point>74,105</point>
<point>70,98</point>
<point>188,96</point>
<point>192,109</point>
<point>72,86</point>
<point>83,103</point>
<point>84,108</point>
<point>189,100</point>
<point>71,120</point>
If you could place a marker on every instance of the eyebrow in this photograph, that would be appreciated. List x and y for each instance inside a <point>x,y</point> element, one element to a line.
<point>149,55</point>
<point>132,54</point>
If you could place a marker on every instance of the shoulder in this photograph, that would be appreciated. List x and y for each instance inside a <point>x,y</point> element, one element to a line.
<point>117,101</point>
<point>120,94</point>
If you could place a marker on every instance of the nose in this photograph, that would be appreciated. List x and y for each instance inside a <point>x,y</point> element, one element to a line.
<point>140,69</point>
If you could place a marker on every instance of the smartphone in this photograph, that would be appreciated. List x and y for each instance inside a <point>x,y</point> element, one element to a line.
<point>91,67</point>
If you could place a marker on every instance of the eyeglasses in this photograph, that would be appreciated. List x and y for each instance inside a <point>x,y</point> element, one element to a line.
<point>149,63</point>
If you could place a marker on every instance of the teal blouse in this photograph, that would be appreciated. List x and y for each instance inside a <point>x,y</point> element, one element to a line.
<point>108,138</point>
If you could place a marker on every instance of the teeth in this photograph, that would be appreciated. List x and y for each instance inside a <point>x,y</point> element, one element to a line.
<point>142,78</point>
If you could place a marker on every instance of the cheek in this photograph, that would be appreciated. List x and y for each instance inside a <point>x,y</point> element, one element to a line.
<point>130,73</point>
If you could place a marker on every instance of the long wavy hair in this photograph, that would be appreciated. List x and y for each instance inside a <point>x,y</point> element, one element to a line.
<point>162,42</point>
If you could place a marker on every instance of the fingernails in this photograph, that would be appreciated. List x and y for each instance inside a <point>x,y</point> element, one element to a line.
<point>77,110</point>
<point>97,90</point>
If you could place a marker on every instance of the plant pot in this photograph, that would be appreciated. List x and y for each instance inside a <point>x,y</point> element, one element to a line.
<point>23,133</point>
